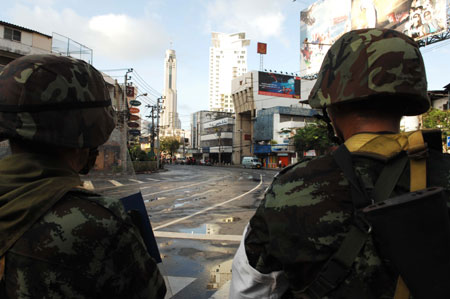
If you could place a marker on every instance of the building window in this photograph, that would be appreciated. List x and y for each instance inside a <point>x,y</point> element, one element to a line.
<point>12,34</point>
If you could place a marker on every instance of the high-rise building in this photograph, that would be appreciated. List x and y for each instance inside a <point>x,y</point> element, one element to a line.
<point>227,60</point>
<point>169,117</point>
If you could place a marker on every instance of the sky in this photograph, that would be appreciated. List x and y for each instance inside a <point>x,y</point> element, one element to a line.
<point>136,33</point>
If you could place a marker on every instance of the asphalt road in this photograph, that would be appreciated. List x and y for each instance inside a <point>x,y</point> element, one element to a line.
<point>198,214</point>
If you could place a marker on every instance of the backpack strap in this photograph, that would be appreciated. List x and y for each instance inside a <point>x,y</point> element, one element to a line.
<point>417,153</point>
<point>2,268</point>
<point>388,178</point>
<point>339,265</point>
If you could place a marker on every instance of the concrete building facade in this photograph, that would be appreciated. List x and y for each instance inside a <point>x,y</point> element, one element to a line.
<point>17,41</point>
<point>265,123</point>
<point>227,60</point>
<point>204,140</point>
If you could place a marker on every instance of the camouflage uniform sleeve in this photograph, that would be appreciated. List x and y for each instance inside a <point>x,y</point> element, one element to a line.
<point>82,248</point>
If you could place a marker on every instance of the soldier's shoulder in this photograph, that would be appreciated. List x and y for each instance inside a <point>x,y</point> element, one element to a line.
<point>307,167</point>
<point>93,202</point>
<point>309,182</point>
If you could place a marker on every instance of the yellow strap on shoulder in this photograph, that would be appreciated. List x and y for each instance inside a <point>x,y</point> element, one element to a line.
<point>2,267</point>
<point>418,162</point>
<point>418,180</point>
<point>401,291</point>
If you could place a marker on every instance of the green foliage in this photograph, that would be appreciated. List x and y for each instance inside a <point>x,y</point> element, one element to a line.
<point>169,145</point>
<point>313,136</point>
<point>136,154</point>
<point>437,119</point>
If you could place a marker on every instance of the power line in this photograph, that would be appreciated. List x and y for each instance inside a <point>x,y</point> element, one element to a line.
<point>148,85</point>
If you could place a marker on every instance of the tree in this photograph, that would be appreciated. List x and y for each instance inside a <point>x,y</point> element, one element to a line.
<point>313,136</point>
<point>169,144</point>
<point>437,119</point>
<point>136,154</point>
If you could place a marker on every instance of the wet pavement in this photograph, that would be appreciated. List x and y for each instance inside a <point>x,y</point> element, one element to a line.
<point>198,214</point>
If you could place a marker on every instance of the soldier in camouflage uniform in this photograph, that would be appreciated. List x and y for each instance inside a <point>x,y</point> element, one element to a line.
<point>369,79</point>
<point>58,240</point>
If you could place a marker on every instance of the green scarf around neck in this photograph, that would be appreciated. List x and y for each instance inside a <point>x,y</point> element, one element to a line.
<point>30,184</point>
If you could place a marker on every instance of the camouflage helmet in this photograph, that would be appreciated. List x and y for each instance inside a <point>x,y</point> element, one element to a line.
<point>55,100</point>
<point>368,63</point>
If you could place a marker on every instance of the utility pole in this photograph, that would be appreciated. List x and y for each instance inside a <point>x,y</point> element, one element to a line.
<point>220,151</point>
<point>158,110</point>
<point>123,120</point>
<point>184,140</point>
<point>152,133</point>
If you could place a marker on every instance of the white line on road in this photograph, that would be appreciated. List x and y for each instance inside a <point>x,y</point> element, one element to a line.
<point>181,187</point>
<point>88,185</point>
<point>203,193</point>
<point>115,183</point>
<point>175,235</point>
<point>210,208</point>
<point>137,181</point>
<point>179,283</point>
<point>150,179</point>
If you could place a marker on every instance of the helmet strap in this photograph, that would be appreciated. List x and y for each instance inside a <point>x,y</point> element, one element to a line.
<point>93,153</point>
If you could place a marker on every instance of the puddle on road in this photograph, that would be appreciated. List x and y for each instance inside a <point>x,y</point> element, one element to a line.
<point>219,275</point>
<point>204,229</point>
<point>177,205</point>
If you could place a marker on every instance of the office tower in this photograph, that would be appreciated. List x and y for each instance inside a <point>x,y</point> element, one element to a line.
<point>227,60</point>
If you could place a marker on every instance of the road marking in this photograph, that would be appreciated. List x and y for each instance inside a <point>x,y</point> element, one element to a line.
<point>88,185</point>
<point>150,179</point>
<point>115,183</point>
<point>178,283</point>
<point>203,193</point>
<point>210,208</point>
<point>176,235</point>
<point>181,187</point>
<point>137,181</point>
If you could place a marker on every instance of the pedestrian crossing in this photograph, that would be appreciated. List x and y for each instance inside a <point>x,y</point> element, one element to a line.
<point>91,185</point>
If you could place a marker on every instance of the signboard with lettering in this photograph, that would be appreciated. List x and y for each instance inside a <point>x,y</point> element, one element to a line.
<point>135,103</point>
<point>134,117</point>
<point>130,91</point>
<point>134,110</point>
<point>262,48</point>
<point>132,124</point>
<point>134,132</point>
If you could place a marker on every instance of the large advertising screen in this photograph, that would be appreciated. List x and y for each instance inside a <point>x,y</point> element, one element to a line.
<point>320,26</point>
<point>326,20</point>
<point>278,85</point>
<point>416,18</point>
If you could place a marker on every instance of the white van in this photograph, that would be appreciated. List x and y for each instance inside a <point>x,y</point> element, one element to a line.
<point>251,162</point>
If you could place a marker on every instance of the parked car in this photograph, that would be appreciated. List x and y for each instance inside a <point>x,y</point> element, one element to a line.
<point>181,161</point>
<point>251,162</point>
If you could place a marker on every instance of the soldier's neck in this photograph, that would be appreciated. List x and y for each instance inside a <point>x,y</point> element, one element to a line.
<point>351,125</point>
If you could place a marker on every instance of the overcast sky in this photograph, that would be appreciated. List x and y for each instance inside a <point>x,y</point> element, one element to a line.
<point>136,33</point>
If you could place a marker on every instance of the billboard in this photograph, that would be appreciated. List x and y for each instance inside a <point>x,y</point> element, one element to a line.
<point>325,21</point>
<point>416,18</point>
<point>320,26</point>
<point>262,48</point>
<point>278,85</point>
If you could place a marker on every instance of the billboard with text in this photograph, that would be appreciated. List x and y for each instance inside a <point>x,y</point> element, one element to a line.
<point>320,26</point>
<point>326,20</point>
<point>278,85</point>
